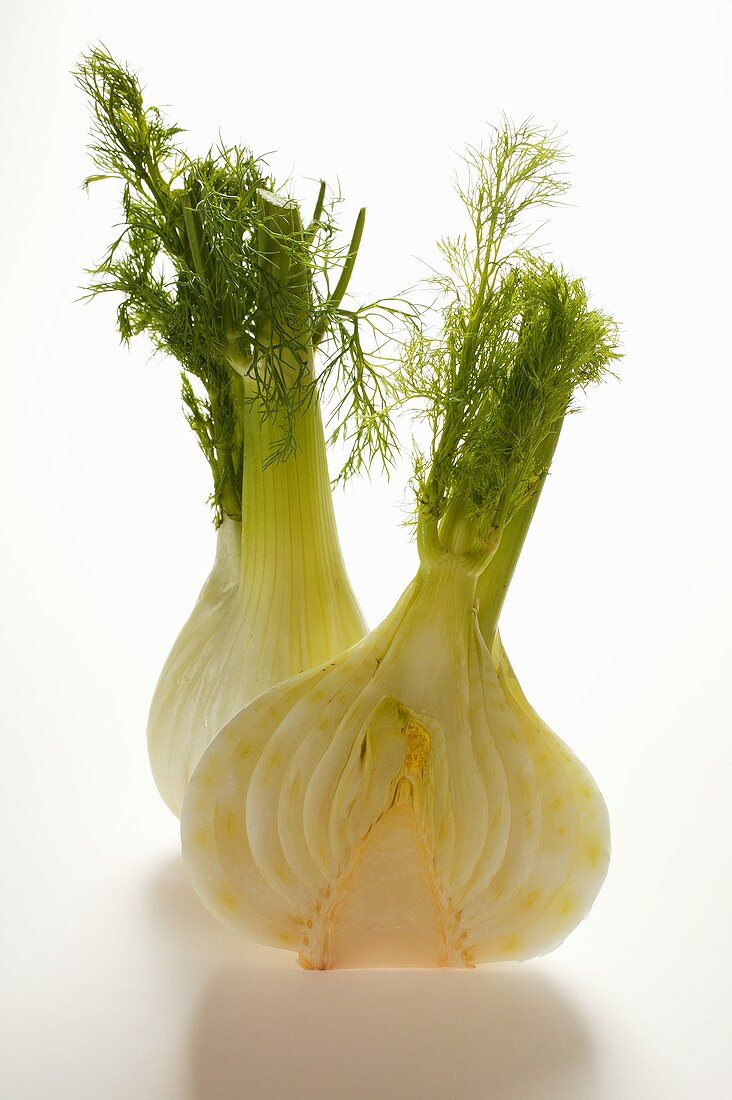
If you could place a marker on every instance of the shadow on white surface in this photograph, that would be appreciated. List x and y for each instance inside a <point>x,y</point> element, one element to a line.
<point>405,1034</point>
<point>181,921</point>
<point>262,1028</point>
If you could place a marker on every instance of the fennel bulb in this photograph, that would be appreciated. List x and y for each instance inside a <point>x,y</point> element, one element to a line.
<point>277,601</point>
<point>398,807</point>
<point>402,805</point>
<point>217,267</point>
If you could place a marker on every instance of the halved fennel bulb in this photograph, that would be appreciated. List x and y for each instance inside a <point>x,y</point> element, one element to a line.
<point>277,601</point>
<point>401,805</point>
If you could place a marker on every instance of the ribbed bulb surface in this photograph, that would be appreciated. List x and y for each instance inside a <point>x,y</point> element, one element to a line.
<point>401,806</point>
<point>277,602</point>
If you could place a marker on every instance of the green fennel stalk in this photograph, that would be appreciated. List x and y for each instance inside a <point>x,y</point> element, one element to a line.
<point>216,266</point>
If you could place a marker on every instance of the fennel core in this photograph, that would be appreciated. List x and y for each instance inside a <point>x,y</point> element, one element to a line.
<point>215,265</point>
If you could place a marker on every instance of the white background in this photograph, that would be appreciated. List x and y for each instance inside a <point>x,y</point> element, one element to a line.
<point>117,984</point>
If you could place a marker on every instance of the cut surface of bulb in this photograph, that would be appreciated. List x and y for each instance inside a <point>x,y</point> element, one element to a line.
<point>277,601</point>
<point>401,805</point>
<point>388,909</point>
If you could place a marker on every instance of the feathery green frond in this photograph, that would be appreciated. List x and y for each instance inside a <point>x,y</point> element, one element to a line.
<point>517,339</point>
<point>214,264</point>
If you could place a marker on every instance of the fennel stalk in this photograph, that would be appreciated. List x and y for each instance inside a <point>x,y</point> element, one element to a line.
<point>215,265</point>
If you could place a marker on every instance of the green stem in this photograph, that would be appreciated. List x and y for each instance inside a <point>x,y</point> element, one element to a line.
<point>494,582</point>
<point>336,297</point>
<point>457,535</point>
<point>223,461</point>
<point>300,605</point>
<point>312,229</point>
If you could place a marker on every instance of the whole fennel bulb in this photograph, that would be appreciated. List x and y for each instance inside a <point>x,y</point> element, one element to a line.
<point>403,805</point>
<point>277,601</point>
<point>215,265</point>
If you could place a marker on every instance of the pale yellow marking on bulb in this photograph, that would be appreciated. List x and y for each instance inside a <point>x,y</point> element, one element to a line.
<point>244,751</point>
<point>283,873</point>
<point>594,852</point>
<point>227,899</point>
<point>568,905</point>
<point>200,838</point>
<point>231,824</point>
<point>273,762</point>
<point>530,899</point>
<point>556,804</point>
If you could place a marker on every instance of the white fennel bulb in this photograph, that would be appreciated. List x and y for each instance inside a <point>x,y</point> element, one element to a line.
<point>403,805</point>
<point>400,806</point>
<point>277,601</point>
<point>185,703</point>
<point>215,265</point>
